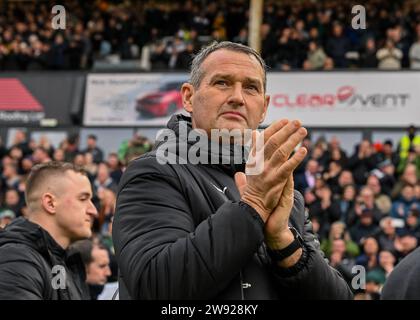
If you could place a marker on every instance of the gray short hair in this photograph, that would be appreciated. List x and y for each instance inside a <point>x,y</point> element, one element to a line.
<point>197,74</point>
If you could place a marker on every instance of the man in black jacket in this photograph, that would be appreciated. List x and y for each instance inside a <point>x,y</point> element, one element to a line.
<point>34,263</point>
<point>215,227</point>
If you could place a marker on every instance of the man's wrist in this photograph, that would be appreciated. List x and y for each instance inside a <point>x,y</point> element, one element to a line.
<point>259,208</point>
<point>281,240</point>
<point>286,248</point>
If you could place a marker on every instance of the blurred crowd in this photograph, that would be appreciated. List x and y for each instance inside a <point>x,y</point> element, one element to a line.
<point>364,206</point>
<point>309,35</point>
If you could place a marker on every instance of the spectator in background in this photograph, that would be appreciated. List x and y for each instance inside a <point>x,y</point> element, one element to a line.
<point>337,46</point>
<point>58,53</point>
<point>386,175</point>
<point>412,158</point>
<point>414,52</point>
<point>3,149</point>
<point>10,177</point>
<point>6,217</point>
<point>375,279</point>
<point>103,179</point>
<point>389,56</point>
<point>341,260</point>
<point>364,226</point>
<point>331,176</point>
<point>92,147</point>
<point>338,231</point>
<point>184,58</point>
<point>106,210</point>
<point>387,235</point>
<point>242,37</point>
<point>134,148</point>
<point>96,260</point>
<point>286,51</point>
<point>409,176</point>
<point>365,200</point>
<point>368,59</point>
<point>362,162</point>
<point>159,58</point>
<point>115,167</point>
<point>405,243</point>
<point>344,179</point>
<point>335,152</point>
<point>406,202</point>
<point>347,201</point>
<point>59,155</point>
<point>382,201</point>
<point>387,153</point>
<point>13,202</point>
<point>71,147</point>
<point>417,191</point>
<point>90,166</point>
<point>40,155</point>
<point>307,179</point>
<point>412,223</point>
<point>79,160</point>
<point>27,164</point>
<point>409,141</point>
<point>45,143</point>
<point>386,262</point>
<point>316,58</point>
<point>369,259</point>
<point>20,141</point>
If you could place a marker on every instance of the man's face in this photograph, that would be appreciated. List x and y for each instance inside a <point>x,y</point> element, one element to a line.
<point>11,198</point>
<point>74,208</point>
<point>312,166</point>
<point>231,93</point>
<point>91,143</point>
<point>97,272</point>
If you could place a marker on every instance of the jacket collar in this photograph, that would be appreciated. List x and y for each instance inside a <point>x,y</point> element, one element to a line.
<point>229,158</point>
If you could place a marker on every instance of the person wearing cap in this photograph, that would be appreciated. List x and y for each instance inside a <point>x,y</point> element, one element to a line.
<point>6,216</point>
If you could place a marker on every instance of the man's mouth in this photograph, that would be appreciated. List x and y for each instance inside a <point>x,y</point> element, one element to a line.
<point>233,114</point>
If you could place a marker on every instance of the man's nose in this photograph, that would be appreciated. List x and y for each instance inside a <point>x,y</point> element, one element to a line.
<point>236,98</point>
<point>91,210</point>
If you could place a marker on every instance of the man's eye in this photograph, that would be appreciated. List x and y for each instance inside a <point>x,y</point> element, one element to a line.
<point>221,82</point>
<point>252,87</point>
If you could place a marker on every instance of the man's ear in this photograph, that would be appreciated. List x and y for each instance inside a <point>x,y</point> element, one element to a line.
<point>48,203</point>
<point>187,92</point>
<point>266,103</point>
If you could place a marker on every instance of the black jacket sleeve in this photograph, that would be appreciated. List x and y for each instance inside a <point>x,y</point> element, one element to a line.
<point>20,277</point>
<point>163,255</point>
<point>311,277</point>
<point>404,281</point>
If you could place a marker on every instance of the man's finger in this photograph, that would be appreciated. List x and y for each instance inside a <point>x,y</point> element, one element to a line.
<point>283,153</point>
<point>240,181</point>
<point>288,193</point>
<point>274,127</point>
<point>290,165</point>
<point>280,137</point>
